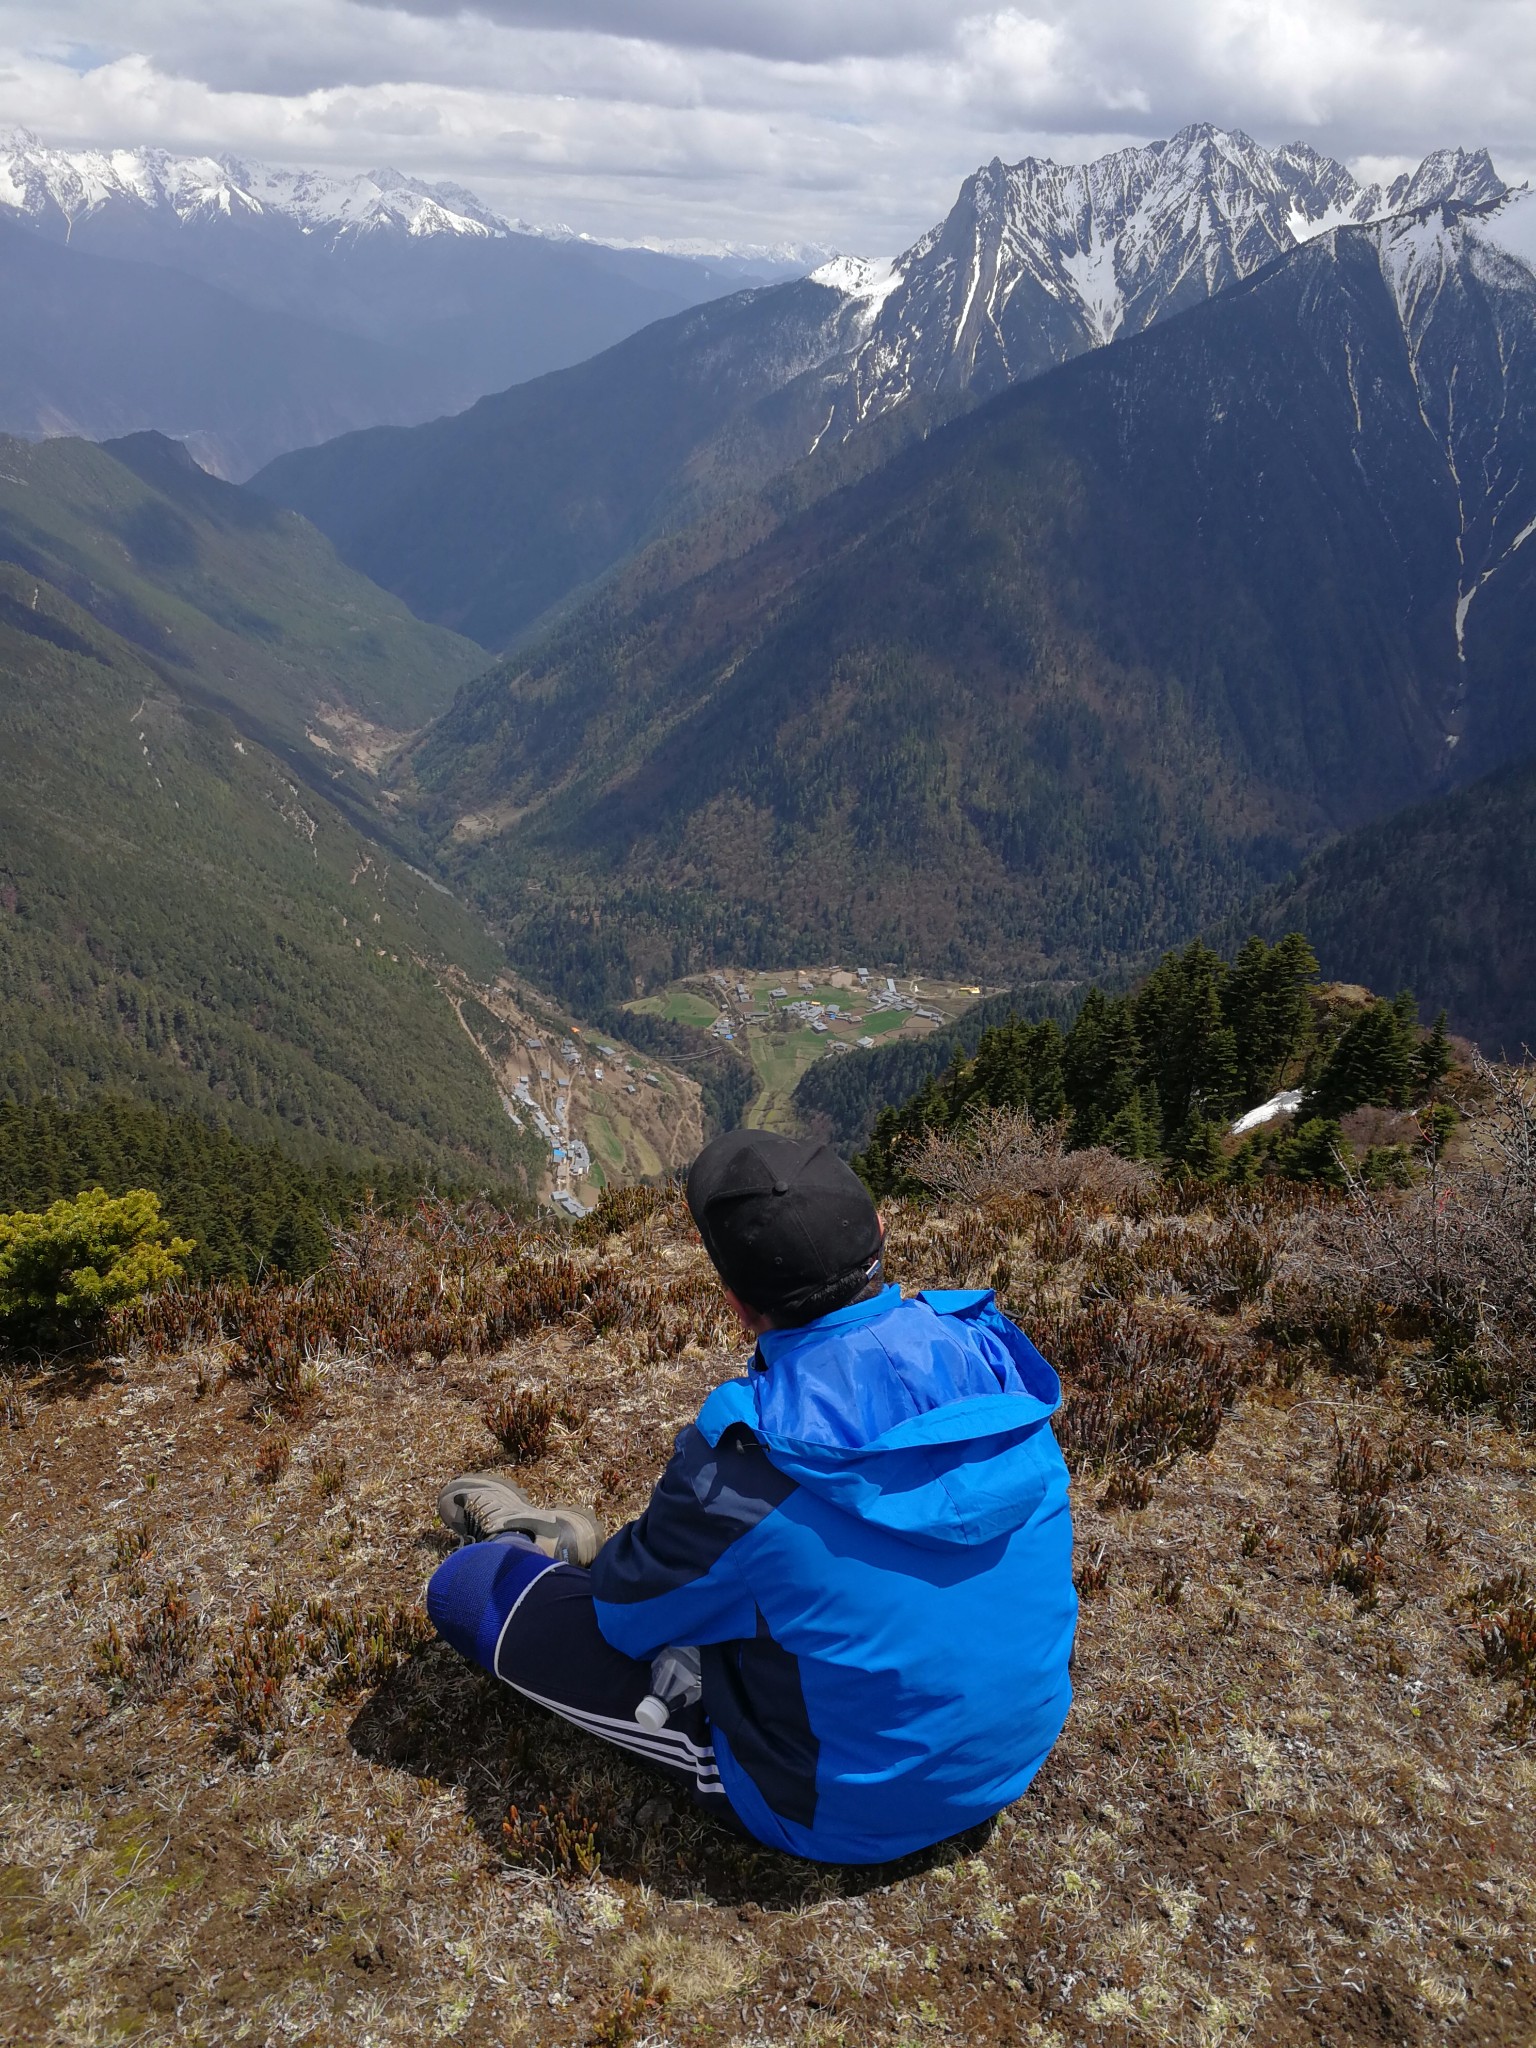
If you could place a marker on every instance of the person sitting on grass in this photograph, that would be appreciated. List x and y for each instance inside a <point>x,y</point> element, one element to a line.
<point>845,1618</point>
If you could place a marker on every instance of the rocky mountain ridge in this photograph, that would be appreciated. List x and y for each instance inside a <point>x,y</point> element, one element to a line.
<point>1037,261</point>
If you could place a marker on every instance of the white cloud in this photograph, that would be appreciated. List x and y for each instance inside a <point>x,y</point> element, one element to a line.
<point>847,122</point>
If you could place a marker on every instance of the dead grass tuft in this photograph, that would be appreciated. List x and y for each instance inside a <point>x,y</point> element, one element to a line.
<point>330,1474</point>
<point>521,1422</point>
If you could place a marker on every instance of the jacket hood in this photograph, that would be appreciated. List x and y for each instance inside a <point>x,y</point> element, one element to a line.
<point>925,1417</point>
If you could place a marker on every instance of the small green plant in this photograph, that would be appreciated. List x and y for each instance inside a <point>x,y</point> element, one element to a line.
<point>148,1662</point>
<point>114,1664</point>
<point>66,1267</point>
<point>357,1646</point>
<point>1169,1589</point>
<point>246,1691</point>
<point>1507,1652</point>
<point>560,1840</point>
<point>165,1642</point>
<point>619,2023</point>
<point>131,1546</point>
<point>1092,1576</point>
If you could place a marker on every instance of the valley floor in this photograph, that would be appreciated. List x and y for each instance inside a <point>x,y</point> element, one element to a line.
<point>786,1019</point>
<point>243,1798</point>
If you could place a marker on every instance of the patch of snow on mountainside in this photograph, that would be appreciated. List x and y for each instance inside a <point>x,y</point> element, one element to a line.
<point>859,277</point>
<point>1509,227</point>
<point>1416,253</point>
<point>1463,277</point>
<point>1304,227</point>
<point>1091,274</point>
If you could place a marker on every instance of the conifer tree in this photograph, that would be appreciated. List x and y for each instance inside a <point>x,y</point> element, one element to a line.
<point>1315,1150</point>
<point>1434,1058</point>
<point>1191,1050</point>
<point>1197,1149</point>
<point>1136,1131</point>
<point>1373,1062</point>
<point>1265,1001</point>
<point>1100,1065</point>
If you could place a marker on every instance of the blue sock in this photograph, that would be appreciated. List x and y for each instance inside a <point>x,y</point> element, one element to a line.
<point>473,1591</point>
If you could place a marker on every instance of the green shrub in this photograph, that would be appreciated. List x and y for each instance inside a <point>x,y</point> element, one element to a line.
<point>67,1265</point>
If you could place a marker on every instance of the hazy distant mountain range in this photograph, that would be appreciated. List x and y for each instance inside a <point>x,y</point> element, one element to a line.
<point>299,305</point>
<point>1035,264</point>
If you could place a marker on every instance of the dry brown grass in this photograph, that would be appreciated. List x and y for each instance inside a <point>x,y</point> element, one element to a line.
<point>245,1799</point>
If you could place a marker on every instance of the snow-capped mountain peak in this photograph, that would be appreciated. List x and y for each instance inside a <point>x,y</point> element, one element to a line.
<point>1038,260</point>
<point>56,189</point>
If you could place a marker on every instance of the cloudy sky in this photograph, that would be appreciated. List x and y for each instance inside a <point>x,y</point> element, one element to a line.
<point>837,123</point>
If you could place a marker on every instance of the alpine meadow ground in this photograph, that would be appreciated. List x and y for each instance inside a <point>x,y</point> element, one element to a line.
<point>247,1798</point>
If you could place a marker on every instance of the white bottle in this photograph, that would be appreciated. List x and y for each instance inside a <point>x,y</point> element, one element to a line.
<point>676,1681</point>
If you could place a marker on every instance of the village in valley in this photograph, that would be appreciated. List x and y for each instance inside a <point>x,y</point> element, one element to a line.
<point>605,1112</point>
<point>608,1112</point>
<point>783,1020</point>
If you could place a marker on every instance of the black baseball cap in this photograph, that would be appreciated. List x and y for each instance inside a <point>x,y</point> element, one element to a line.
<point>790,1228</point>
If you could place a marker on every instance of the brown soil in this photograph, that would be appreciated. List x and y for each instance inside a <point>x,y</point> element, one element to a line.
<point>1278,1816</point>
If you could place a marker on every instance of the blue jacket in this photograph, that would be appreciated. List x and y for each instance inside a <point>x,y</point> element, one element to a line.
<point>869,1539</point>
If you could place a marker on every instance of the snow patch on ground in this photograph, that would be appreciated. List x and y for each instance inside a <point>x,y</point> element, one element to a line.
<point>1286,1103</point>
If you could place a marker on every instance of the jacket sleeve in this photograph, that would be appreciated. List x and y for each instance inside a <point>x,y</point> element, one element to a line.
<point>675,1575</point>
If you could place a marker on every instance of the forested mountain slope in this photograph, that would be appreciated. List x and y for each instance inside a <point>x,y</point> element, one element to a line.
<point>1440,898</point>
<point>484,521</point>
<point>244,606</point>
<point>1069,679</point>
<point>180,921</point>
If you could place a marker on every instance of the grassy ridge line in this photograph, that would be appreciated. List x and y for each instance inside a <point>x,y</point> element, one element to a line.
<point>1265,1708</point>
<point>247,602</point>
<point>178,920</point>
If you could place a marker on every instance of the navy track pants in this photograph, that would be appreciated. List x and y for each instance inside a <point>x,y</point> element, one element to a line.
<point>518,1614</point>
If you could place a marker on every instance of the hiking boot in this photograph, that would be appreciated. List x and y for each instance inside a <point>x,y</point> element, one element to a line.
<point>480,1504</point>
